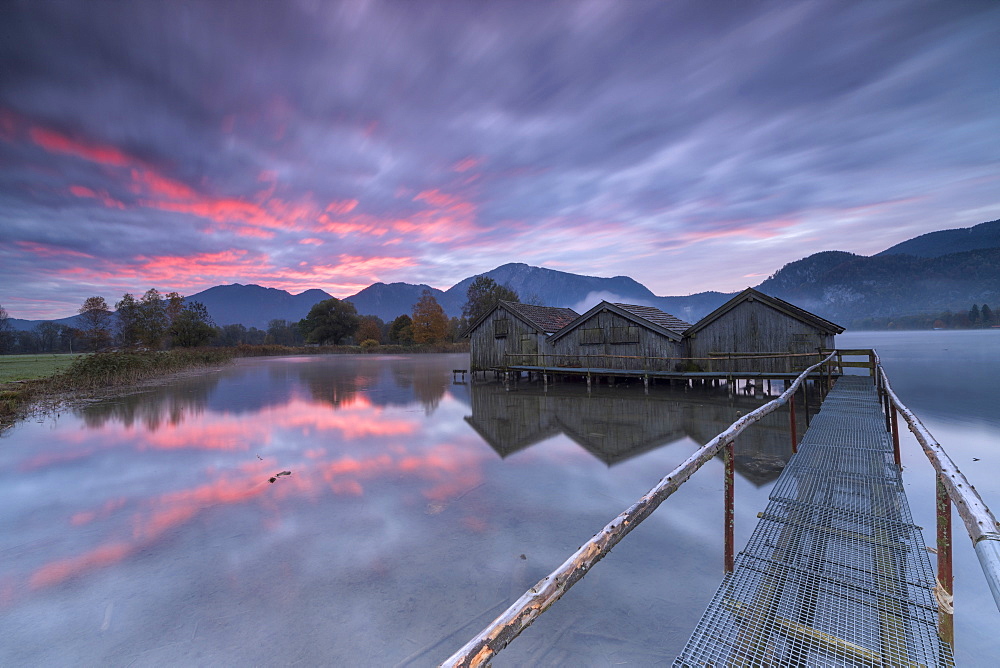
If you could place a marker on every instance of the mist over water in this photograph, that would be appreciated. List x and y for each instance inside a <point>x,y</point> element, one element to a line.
<point>146,529</point>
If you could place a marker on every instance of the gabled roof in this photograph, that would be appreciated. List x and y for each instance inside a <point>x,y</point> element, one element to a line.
<point>781,305</point>
<point>653,314</point>
<point>647,316</point>
<point>546,319</point>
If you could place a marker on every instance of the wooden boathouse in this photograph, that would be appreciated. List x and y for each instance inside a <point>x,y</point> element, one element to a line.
<point>628,334</point>
<point>511,329</point>
<point>753,336</point>
<point>755,324</point>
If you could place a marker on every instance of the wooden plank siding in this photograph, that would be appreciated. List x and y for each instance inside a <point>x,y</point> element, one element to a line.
<point>753,326</point>
<point>499,333</point>
<point>621,343</point>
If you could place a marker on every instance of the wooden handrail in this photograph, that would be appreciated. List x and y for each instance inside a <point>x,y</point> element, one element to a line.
<point>548,590</point>
<point>980,523</point>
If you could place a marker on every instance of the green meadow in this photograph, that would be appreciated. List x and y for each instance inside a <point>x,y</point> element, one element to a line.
<point>33,367</point>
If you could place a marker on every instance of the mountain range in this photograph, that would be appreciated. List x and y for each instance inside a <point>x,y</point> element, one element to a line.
<point>945,270</point>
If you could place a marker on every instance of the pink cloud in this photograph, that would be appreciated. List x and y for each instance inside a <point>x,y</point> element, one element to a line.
<point>55,142</point>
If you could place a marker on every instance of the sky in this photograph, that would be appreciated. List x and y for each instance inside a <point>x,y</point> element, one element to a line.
<point>303,144</point>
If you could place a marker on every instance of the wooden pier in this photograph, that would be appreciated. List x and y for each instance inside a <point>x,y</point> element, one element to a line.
<point>835,574</point>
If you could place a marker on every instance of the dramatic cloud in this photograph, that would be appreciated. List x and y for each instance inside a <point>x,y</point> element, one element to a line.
<point>690,145</point>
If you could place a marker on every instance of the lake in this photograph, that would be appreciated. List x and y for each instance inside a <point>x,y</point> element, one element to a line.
<point>155,528</point>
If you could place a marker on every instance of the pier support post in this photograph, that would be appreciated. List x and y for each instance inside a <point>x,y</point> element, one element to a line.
<point>730,459</point>
<point>945,579</point>
<point>645,384</point>
<point>791,423</point>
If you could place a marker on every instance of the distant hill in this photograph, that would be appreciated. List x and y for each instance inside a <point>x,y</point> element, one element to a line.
<point>947,270</point>
<point>255,306</point>
<point>946,242</point>
<point>845,288</point>
<point>393,299</point>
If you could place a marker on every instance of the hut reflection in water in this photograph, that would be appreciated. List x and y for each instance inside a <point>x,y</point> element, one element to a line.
<point>616,424</point>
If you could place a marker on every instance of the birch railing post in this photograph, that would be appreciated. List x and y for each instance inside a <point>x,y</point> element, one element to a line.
<point>730,521</point>
<point>548,590</point>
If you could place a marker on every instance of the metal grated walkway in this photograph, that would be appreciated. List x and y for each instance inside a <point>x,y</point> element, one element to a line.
<point>835,572</point>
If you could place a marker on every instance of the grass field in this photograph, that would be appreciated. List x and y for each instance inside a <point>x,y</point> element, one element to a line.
<point>32,367</point>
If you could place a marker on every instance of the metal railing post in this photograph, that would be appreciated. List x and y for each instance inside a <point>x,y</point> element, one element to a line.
<point>945,578</point>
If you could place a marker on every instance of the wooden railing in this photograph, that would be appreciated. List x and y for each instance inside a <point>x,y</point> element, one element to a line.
<point>554,361</point>
<point>548,590</point>
<point>952,488</point>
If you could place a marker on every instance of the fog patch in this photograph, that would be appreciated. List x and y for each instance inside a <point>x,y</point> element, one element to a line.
<point>596,297</point>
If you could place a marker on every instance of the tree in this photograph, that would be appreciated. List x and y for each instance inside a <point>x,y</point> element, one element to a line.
<point>283,333</point>
<point>482,294</point>
<point>330,321</point>
<point>430,324</point>
<point>68,336</point>
<point>152,319</point>
<point>986,313</point>
<point>401,330</point>
<point>97,322</point>
<point>174,306</point>
<point>127,310</point>
<point>192,327</point>
<point>974,316</point>
<point>6,338</point>
<point>370,329</point>
<point>48,335</point>
<point>231,335</point>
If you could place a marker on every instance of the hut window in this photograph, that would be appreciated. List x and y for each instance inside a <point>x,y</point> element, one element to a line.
<point>500,328</point>
<point>625,334</point>
<point>591,335</point>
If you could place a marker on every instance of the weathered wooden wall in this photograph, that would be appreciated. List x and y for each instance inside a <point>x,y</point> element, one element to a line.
<point>488,350</point>
<point>754,327</point>
<point>606,333</point>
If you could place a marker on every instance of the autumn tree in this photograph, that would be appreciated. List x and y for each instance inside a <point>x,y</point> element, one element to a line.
<point>370,329</point>
<point>401,330</point>
<point>174,305</point>
<point>127,310</point>
<point>430,324</point>
<point>330,321</point>
<point>481,296</point>
<point>192,326</point>
<point>96,322</point>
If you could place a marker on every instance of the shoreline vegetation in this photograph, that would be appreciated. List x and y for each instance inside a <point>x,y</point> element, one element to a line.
<point>59,378</point>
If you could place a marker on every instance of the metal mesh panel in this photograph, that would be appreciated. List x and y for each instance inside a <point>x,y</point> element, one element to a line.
<point>835,572</point>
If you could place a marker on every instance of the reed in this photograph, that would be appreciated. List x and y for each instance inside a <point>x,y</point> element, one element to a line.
<point>128,368</point>
<point>273,350</point>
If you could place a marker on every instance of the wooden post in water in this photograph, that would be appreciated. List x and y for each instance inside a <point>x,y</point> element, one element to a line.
<point>730,460</point>
<point>945,579</point>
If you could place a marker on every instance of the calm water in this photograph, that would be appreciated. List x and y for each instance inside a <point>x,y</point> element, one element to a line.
<point>145,530</point>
